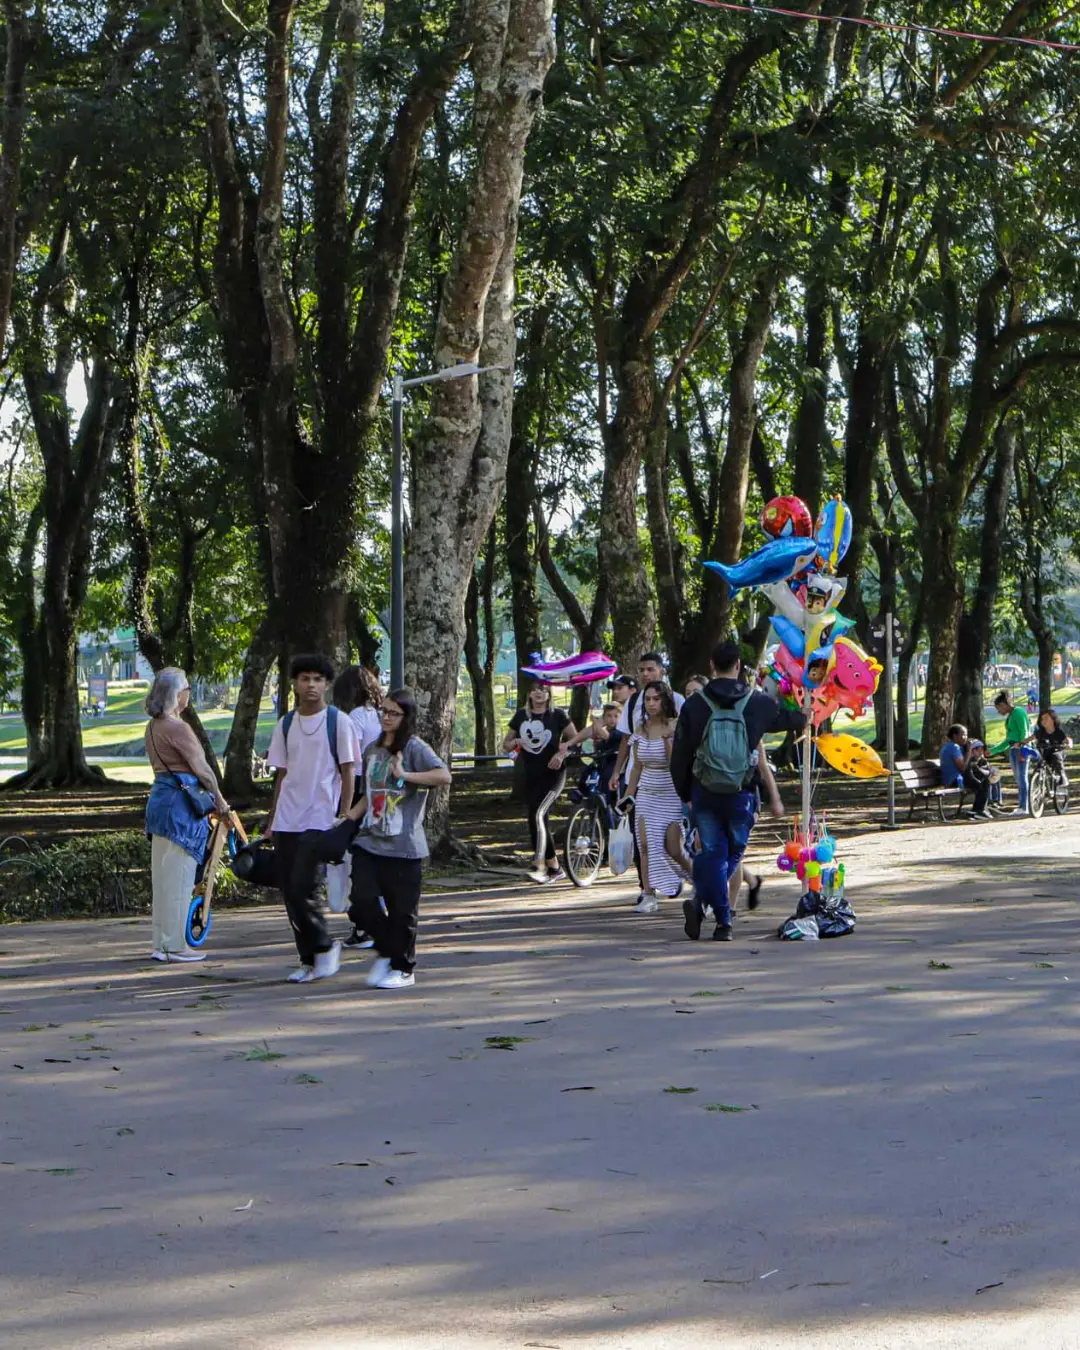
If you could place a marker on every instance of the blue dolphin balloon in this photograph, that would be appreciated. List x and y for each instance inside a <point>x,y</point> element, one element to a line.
<point>774,561</point>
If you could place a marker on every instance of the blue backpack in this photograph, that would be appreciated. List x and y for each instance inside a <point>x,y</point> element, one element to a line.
<point>331,731</point>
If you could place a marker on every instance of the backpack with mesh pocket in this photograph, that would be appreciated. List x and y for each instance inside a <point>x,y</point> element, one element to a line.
<point>722,760</point>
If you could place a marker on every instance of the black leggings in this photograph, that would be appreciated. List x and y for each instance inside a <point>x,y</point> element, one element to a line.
<point>398,882</point>
<point>541,793</point>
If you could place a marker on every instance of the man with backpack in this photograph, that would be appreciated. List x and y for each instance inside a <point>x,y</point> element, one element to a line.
<point>713,769</point>
<point>314,752</point>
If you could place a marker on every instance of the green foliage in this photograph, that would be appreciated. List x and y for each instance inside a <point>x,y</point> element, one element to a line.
<point>98,874</point>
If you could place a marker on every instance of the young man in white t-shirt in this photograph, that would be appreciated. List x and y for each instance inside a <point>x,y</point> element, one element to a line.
<point>314,753</point>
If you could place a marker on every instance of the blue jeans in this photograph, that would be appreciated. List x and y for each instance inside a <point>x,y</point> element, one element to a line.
<point>723,823</point>
<point>1019,763</point>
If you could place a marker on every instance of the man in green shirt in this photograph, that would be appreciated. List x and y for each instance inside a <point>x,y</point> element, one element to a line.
<point>1017,730</point>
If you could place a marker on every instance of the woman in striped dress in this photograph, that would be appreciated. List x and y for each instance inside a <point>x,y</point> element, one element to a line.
<point>656,803</point>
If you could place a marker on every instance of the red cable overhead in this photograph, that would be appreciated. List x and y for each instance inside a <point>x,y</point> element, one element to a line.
<point>992,38</point>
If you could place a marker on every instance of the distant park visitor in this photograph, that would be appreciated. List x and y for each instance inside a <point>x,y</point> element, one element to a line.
<point>176,821</point>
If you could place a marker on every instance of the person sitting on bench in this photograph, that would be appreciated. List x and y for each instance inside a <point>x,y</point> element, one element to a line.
<point>957,770</point>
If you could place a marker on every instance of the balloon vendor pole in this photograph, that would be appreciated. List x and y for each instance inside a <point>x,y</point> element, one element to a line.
<point>890,729</point>
<point>808,749</point>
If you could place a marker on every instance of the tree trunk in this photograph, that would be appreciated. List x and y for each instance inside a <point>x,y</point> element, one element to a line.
<point>862,437</point>
<point>30,637</point>
<point>459,461</point>
<point>944,597</point>
<point>74,472</point>
<point>1046,644</point>
<point>633,620</point>
<point>811,428</point>
<point>479,613</point>
<point>734,471</point>
<point>977,622</point>
<point>521,467</point>
<point>12,126</point>
<point>238,784</point>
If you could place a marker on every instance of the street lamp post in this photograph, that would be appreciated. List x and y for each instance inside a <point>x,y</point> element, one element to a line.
<point>397,532</point>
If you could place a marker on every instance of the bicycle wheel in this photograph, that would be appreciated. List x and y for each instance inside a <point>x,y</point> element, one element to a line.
<point>1036,794</point>
<point>1061,796</point>
<point>199,922</point>
<point>583,850</point>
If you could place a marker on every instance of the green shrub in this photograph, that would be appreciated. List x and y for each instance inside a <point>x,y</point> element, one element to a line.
<point>94,874</point>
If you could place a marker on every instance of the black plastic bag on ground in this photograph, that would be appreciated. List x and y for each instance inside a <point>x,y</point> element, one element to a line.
<point>831,916</point>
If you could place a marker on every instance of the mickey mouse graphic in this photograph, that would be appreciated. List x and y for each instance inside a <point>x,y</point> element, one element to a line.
<point>538,726</point>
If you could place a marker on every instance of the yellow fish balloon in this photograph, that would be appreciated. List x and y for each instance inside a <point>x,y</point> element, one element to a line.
<point>848,755</point>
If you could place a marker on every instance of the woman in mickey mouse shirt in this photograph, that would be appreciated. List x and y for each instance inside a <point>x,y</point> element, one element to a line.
<point>539,731</point>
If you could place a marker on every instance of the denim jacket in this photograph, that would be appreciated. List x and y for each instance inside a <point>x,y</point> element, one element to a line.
<point>169,814</point>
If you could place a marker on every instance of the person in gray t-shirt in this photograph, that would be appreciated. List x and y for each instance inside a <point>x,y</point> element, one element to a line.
<point>389,849</point>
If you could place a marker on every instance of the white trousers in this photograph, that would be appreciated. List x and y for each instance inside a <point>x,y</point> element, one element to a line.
<point>172,873</point>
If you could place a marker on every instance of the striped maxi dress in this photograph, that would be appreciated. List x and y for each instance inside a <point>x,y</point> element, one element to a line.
<point>656,805</point>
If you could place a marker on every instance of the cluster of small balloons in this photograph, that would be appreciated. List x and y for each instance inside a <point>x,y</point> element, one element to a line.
<point>811,863</point>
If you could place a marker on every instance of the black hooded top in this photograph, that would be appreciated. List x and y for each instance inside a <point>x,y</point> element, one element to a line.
<point>761,715</point>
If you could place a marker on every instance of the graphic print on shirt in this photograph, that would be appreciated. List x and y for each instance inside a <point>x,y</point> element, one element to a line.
<point>534,735</point>
<point>383,817</point>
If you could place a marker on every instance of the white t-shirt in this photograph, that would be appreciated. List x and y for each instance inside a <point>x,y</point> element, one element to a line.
<point>312,786</point>
<point>368,727</point>
<point>637,698</point>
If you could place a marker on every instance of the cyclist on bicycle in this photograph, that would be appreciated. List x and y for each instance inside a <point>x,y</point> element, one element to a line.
<point>1052,742</point>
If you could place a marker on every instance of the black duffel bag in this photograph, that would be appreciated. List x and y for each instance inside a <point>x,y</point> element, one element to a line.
<point>255,863</point>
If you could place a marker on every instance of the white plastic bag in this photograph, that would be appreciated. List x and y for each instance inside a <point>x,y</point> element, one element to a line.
<point>621,848</point>
<point>338,885</point>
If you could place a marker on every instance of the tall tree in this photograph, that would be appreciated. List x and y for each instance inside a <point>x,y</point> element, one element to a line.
<point>459,460</point>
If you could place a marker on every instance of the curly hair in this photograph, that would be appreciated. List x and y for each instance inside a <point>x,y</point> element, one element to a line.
<point>356,687</point>
<point>667,701</point>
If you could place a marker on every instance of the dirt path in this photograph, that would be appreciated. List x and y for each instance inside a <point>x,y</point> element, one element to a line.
<point>905,1138</point>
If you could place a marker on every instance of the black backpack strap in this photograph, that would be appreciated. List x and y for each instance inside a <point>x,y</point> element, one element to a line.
<point>286,723</point>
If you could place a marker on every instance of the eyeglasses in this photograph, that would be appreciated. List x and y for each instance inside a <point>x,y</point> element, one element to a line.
<point>391,712</point>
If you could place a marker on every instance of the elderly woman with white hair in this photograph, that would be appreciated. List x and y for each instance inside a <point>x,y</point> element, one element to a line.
<point>175,822</point>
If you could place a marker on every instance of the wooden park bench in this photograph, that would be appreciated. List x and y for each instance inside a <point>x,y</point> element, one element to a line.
<point>922,778</point>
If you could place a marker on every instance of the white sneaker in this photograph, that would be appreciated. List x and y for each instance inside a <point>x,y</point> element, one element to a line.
<point>648,904</point>
<point>396,979</point>
<point>380,968</point>
<point>1020,811</point>
<point>551,877</point>
<point>302,975</point>
<point>983,815</point>
<point>327,963</point>
<point>178,956</point>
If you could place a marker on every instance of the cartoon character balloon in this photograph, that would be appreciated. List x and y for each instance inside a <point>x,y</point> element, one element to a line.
<point>785,516</point>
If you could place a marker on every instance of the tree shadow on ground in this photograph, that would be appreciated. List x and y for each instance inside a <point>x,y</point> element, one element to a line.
<point>898,1132</point>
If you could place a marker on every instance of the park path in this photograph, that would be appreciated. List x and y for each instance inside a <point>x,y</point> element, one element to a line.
<point>206,1157</point>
